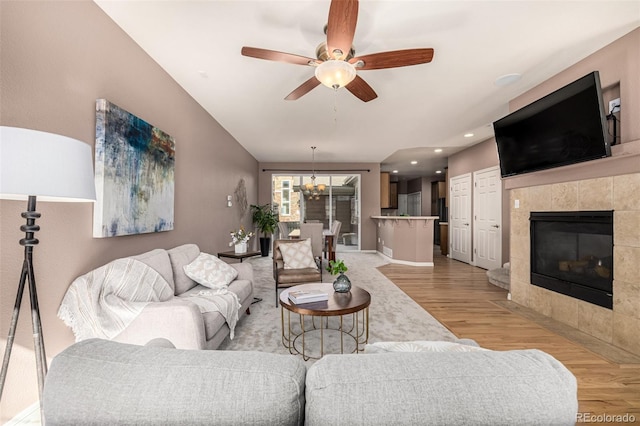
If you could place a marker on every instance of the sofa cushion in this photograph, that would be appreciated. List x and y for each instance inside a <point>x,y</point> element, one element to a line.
<point>102,382</point>
<point>158,260</point>
<point>298,255</point>
<point>242,288</point>
<point>181,256</point>
<point>245,270</point>
<point>211,272</point>
<point>453,388</point>
<point>292,276</point>
<point>420,346</point>
<point>213,321</point>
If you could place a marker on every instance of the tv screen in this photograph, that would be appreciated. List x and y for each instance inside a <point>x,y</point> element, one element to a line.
<point>565,127</point>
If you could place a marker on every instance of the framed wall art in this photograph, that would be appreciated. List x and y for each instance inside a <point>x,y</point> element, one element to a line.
<point>134,172</point>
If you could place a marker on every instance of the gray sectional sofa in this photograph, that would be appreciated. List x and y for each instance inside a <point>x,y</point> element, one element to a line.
<point>102,382</point>
<point>178,318</point>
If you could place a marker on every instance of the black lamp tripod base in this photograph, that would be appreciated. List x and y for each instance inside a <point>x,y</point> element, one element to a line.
<point>27,275</point>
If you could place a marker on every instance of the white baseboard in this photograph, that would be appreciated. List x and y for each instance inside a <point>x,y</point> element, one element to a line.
<point>404,262</point>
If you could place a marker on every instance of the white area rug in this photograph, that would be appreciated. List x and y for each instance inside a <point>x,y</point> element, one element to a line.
<point>393,316</point>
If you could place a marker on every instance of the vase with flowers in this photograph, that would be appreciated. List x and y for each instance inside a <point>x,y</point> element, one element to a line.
<point>342,284</point>
<point>239,240</point>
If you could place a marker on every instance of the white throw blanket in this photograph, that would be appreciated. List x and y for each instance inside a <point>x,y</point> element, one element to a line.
<point>103,302</point>
<point>220,300</point>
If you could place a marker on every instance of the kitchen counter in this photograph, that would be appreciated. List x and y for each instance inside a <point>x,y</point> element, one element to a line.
<point>406,239</point>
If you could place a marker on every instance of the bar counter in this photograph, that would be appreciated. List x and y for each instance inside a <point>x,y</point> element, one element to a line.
<point>406,239</point>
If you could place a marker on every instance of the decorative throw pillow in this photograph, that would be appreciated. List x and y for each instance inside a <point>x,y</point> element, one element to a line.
<point>421,346</point>
<point>297,255</point>
<point>210,271</point>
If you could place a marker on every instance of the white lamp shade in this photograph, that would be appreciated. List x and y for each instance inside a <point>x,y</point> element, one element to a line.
<point>335,73</point>
<point>49,166</point>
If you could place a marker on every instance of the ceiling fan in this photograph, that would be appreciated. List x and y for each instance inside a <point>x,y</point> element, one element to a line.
<point>335,63</point>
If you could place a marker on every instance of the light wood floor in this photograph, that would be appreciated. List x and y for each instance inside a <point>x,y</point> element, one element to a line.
<point>460,297</point>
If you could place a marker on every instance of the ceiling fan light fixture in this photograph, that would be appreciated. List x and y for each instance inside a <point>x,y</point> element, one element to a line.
<point>335,73</point>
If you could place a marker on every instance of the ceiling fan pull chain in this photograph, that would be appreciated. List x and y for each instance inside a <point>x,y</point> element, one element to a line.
<point>335,109</point>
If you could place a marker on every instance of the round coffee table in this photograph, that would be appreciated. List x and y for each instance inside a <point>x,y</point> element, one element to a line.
<point>354,304</point>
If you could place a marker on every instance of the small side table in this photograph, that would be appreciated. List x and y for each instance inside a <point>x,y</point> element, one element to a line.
<point>241,256</point>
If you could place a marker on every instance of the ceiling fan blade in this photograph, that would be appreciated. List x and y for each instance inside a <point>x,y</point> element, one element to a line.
<point>361,89</point>
<point>343,16</point>
<point>272,55</point>
<point>303,89</point>
<point>393,59</point>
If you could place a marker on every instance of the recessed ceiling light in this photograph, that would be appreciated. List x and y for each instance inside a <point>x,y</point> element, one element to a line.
<point>468,135</point>
<point>414,162</point>
<point>507,79</point>
<point>437,150</point>
<point>395,171</point>
<point>438,172</point>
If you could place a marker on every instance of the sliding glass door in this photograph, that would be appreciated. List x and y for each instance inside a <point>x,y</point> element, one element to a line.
<point>328,199</point>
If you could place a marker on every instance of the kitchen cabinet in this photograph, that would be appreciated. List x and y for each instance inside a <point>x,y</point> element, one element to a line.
<point>393,195</point>
<point>442,190</point>
<point>446,187</point>
<point>385,201</point>
<point>444,238</point>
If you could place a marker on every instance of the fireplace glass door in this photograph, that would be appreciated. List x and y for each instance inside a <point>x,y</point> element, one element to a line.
<point>572,254</point>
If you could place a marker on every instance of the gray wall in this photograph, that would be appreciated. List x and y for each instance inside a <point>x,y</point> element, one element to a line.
<point>56,59</point>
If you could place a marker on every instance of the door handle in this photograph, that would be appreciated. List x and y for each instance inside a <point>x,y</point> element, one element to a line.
<point>465,224</point>
<point>495,226</point>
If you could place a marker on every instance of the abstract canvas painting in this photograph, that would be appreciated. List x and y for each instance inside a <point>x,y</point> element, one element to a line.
<point>134,167</point>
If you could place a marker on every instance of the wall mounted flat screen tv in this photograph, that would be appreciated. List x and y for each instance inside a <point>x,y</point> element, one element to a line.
<point>565,127</point>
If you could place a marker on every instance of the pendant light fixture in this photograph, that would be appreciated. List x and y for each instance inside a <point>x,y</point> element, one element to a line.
<point>312,190</point>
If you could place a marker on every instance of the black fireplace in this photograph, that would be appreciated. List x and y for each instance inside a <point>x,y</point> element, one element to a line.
<point>572,254</point>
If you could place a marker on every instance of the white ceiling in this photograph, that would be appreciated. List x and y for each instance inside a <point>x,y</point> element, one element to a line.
<point>418,109</point>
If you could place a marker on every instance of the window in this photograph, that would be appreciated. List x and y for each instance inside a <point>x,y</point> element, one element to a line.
<point>339,201</point>
<point>285,205</point>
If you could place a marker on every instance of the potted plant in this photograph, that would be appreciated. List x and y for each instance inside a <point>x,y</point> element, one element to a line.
<point>342,284</point>
<point>266,220</point>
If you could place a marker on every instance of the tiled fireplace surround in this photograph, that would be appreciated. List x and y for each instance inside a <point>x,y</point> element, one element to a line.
<point>619,193</point>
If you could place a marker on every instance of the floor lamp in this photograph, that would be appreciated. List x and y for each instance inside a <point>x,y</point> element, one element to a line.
<point>48,167</point>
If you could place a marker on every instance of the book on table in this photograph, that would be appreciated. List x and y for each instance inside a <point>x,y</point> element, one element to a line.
<point>308,296</point>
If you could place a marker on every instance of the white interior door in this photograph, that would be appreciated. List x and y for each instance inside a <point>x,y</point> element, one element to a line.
<point>460,217</point>
<point>487,215</point>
